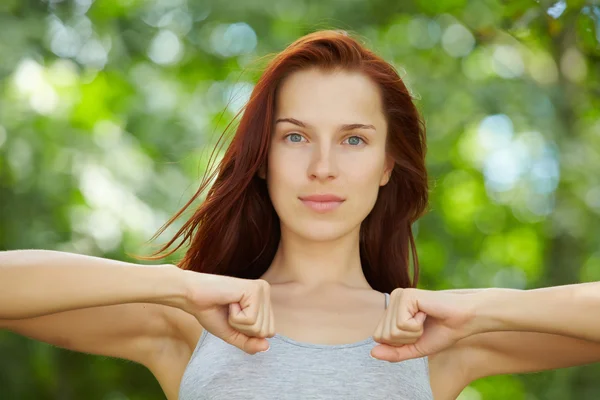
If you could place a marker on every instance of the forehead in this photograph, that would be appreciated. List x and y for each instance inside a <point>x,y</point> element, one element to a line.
<point>321,97</point>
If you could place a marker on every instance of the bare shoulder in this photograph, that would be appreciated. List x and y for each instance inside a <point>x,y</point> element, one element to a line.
<point>448,374</point>
<point>174,353</point>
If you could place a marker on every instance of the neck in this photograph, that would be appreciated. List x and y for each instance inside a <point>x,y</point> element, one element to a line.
<point>317,264</point>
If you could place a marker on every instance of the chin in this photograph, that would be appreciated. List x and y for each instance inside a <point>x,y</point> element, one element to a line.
<point>322,231</point>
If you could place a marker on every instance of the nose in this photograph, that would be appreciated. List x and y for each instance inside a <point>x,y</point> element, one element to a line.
<point>322,164</point>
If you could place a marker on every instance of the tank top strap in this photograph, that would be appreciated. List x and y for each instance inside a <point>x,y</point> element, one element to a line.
<point>387,300</point>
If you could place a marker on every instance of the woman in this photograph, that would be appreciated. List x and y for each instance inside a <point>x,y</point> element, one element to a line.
<point>301,248</point>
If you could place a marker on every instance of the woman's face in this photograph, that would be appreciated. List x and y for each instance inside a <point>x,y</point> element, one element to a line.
<point>315,155</point>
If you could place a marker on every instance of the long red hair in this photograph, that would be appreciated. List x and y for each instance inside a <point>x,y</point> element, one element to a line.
<point>236,231</point>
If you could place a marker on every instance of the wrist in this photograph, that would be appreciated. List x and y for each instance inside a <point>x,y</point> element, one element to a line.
<point>171,287</point>
<point>197,290</point>
<point>492,308</point>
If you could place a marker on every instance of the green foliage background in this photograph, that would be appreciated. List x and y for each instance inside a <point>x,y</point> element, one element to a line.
<point>109,108</point>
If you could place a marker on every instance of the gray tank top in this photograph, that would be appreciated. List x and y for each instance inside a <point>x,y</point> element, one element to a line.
<point>298,370</point>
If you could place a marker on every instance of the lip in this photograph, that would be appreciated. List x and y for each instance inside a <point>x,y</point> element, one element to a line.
<point>322,198</point>
<point>322,203</point>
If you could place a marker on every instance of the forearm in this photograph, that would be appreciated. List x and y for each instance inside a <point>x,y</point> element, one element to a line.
<point>41,282</point>
<point>570,310</point>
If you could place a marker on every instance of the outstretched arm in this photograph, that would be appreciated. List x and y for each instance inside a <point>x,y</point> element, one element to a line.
<point>41,282</point>
<point>99,306</point>
<point>563,310</point>
<point>90,304</point>
<point>102,306</point>
<point>519,331</point>
<point>483,332</point>
<point>427,322</point>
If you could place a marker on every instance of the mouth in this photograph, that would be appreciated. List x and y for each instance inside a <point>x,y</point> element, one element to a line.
<point>322,203</point>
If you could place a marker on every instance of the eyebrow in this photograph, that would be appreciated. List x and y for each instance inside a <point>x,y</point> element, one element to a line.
<point>343,127</point>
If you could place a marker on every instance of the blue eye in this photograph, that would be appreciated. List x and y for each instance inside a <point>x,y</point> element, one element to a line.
<point>356,141</point>
<point>295,135</point>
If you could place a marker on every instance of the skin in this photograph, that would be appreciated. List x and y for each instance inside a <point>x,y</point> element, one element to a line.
<point>321,249</point>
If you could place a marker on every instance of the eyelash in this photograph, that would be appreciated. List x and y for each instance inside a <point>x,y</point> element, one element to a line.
<point>360,137</point>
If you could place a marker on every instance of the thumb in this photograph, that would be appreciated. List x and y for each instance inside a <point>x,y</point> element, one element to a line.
<point>250,345</point>
<point>395,353</point>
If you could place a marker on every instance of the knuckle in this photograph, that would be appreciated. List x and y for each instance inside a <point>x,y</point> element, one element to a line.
<point>251,333</point>
<point>246,324</point>
<point>256,327</point>
<point>403,326</point>
<point>262,284</point>
<point>398,332</point>
<point>263,332</point>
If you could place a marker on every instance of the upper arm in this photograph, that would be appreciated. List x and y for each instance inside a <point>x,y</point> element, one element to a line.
<point>134,331</point>
<point>496,353</point>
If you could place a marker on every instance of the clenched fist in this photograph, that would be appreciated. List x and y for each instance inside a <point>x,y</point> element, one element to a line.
<point>236,310</point>
<point>419,323</point>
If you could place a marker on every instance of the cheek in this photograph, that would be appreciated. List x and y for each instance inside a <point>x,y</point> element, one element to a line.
<point>364,172</point>
<point>283,175</point>
<point>363,179</point>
